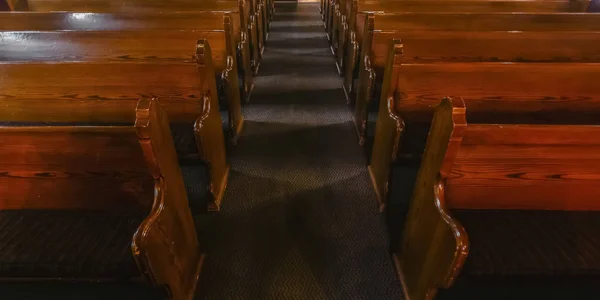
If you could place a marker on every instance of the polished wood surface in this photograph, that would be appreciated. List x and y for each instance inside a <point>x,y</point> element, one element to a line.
<point>545,167</point>
<point>166,244</point>
<point>60,167</point>
<point>474,22</point>
<point>501,89</point>
<point>103,90</point>
<point>111,168</point>
<point>140,30</point>
<point>246,18</point>
<point>226,23</point>
<point>345,20</point>
<point>489,166</point>
<point>434,245</point>
<point>519,92</point>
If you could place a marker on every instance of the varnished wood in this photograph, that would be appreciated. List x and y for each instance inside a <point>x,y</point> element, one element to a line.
<point>166,244</point>
<point>111,168</point>
<point>105,91</point>
<point>545,167</point>
<point>59,167</point>
<point>434,245</point>
<point>226,22</point>
<point>519,92</point>
<point>353,10</point>
<point>489,166</point>
<point>143,25</point>
<point>474,22</point>
<point>241,11</point>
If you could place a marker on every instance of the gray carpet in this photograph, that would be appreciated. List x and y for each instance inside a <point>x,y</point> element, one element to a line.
<point>299,218</point>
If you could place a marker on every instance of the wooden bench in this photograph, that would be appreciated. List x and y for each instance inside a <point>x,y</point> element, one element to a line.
<point>143,24</point>
<point>505,200</point>
<point>538,22</point>
<point>530,92</point>
<point>247,31</point>
<point>345,16</point>
<point>99,193</point>
<point>106,89</point>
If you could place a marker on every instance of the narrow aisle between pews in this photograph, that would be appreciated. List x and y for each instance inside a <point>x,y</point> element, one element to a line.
<point>299,219</point>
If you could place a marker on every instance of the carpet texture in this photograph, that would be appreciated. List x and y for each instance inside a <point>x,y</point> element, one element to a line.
<point>299,218</point>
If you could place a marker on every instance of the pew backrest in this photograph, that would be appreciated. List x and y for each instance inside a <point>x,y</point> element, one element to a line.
<point>73,167</point>
<point>106,91</point>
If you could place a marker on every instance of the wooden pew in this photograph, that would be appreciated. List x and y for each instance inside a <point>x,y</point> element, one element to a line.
<point>254,12</point>
<point>247,27</point>
<point>223,55</point>
<point>376,22</point>
<point>346,13</point>
<point>108,87</point>
<point>77,181</point>
<point>502,200</point>
<point>530,92</point>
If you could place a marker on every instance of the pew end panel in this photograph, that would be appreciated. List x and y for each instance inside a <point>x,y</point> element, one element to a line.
<point>209,136</point>
<point>388,128</point>
<point>434,244</point>
<point>166,245</point>
<point>354,54</point>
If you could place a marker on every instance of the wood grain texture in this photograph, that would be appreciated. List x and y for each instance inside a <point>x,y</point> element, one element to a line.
<point>351,10</point>
<point>240,11</point>
<point>542,167</point>
<point>541,92</point>
<point>434,245</point>
<point>166,245</point>
<point>132,46</point>
<point>97,92</point>
<point>488,21</point>
<point>220,31</point>
<point>61,167</point>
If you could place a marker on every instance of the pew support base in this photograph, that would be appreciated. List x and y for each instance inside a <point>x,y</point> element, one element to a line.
<point>249,93</point>
<point>380,201</point>
<point>347,95</point>
<point>237,131</point>
<point>340,72</point>
<point>396,260</point>
<point>215,205</point>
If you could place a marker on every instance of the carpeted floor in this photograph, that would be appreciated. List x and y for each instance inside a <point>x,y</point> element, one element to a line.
<point>299,218</point>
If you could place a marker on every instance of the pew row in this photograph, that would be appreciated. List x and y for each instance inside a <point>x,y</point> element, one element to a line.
<point>246,26</point>
<point>224,54</point>
<point>117,188</point>
<point>251,18</point>
<point>106,91</point>
<point>500,201</point>
<point>526,92</point>
<point>345,18</point>
<point>374,23</point>
<point>465,46</point>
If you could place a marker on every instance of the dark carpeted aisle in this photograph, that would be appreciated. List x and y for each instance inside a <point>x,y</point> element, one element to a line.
<point>299,218</point>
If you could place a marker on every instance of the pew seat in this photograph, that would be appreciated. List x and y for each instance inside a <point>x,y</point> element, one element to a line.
<point>529,243</point>
<point>73,244</point>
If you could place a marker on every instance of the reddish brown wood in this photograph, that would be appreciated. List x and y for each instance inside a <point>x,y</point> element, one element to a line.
<point>111,168</point>
<point>218,32</point>
<point>60,167</point>
<point>527,167</point>
<point>434,244</point>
